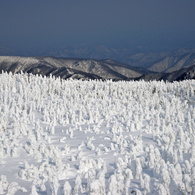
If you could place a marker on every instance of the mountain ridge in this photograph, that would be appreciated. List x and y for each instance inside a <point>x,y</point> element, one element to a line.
<point>85,69</point>
<point>179,75</point>
<point>70,66</point>
<point>164,61</point>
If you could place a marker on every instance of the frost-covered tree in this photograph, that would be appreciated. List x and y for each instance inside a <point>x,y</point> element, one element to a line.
<point>14,187</point>
<point>78,185</point>
<point>158,188</point>
<point>145,183</point>
<point>113,190</point>
<point>1,188</point>
<point>67,188</point>
<point>188,183</point>
<point>4,181</point>
<point>33,190</point>
<point>95,188</point>
<point>165,179</point>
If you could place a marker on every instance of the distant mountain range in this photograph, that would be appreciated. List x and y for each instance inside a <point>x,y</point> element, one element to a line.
<point>71,67</point>
<point>172,63</point>
<point>78,68</point>
<point>179,75</point>
<point>157,62</point>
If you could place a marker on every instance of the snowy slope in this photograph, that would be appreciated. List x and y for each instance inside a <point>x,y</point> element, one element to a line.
<point>173,62</point>
<point>69,68</point>
<point>179,75</point>
<point>93,137</point>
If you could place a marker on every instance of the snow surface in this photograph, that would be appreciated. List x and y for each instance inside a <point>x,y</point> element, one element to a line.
<point>93,137</point>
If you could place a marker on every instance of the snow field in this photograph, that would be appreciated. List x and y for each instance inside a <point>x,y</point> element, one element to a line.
<point>93,137</point>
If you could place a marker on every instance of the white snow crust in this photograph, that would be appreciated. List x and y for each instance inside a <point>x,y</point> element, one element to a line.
<point>96,137</point>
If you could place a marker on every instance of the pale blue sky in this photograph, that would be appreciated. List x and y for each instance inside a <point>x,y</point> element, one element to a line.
<point>113,23</point>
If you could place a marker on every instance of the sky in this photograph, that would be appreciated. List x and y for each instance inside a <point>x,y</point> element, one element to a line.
<point>32,24</point>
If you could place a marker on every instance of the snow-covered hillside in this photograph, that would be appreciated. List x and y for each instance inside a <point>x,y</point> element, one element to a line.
<point>93,137</point>
<point>70,68</point>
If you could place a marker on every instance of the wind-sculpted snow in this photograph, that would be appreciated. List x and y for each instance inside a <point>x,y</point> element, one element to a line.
<point>93,137</point>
